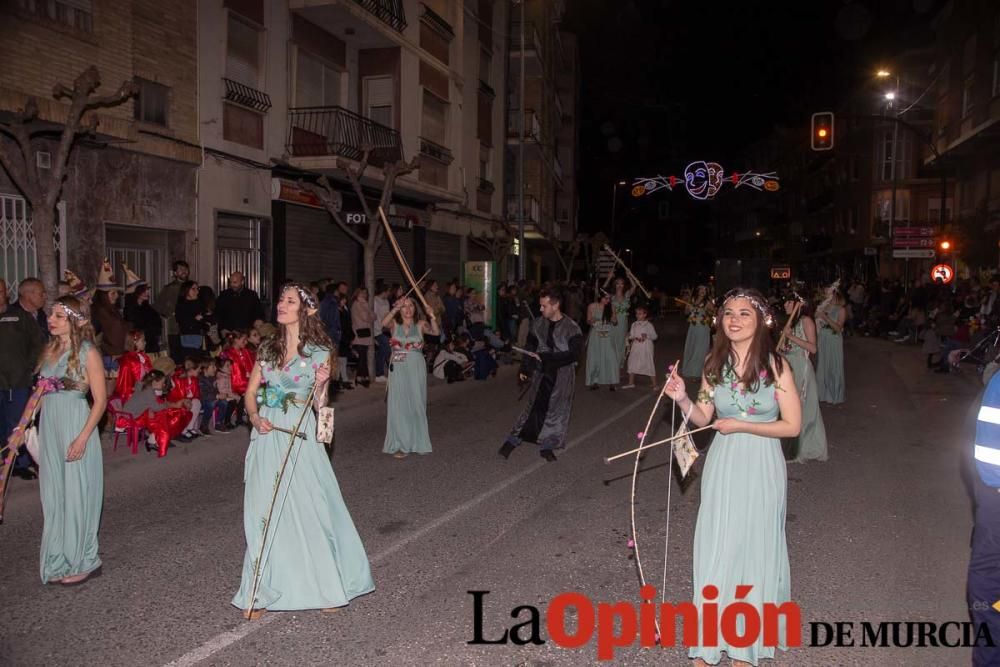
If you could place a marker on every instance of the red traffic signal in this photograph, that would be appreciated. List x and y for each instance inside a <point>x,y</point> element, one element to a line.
<point>822,131</point>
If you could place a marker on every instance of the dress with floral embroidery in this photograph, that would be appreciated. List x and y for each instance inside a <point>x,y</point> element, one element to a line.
<point>740,533</point>
<point>313,558</point>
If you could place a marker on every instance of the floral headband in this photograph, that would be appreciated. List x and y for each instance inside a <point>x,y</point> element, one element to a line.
<point>754,300</point>
<point>307,298</point>
<point>73,313</point>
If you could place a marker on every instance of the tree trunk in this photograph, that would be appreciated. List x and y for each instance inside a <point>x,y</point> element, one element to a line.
<point>43,225</point>
<point>369,265</point>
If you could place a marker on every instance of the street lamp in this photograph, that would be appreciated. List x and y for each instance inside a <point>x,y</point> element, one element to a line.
<point>614,200</point>
<point>883,74</point>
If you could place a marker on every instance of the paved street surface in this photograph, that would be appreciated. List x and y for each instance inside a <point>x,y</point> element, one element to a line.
<point>878,533</point>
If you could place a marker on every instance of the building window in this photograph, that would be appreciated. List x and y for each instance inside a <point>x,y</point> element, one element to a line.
<point>435,119</point>
<point>316,83</point>
<point>484,162</point>
<point>486,67</point>
<point>77,14</point>
<point>968,96</point>
<point>904,143</point>
<point>934,209</point>
<point>151,103</point>
<point>379,96</point>
<point>242,126</point>
<point>243,52</point>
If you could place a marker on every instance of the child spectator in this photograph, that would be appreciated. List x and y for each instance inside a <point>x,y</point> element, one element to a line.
<point>185,391</point>
<point>451,364</point>
<point>132,367</point>
<point>210,401</point>
<point>164,421</point>
<point>224,392</point>
<point>243,360</point>
<point>640,357</point>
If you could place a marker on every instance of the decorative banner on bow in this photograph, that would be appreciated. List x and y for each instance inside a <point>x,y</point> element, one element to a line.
<point>703,180</point>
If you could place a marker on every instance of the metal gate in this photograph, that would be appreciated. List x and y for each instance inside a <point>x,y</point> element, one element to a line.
<point>147,263</point>
<point>241,245</point>
<point>18,255</point>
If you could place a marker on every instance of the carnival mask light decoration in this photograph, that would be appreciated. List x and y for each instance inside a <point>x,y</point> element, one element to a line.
<point>703,180</point>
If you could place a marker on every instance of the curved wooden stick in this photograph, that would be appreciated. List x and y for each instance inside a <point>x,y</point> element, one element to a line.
<point>791,318</point>
<point>402,260</point>
<point>609,459</point>
<point>628,272</point>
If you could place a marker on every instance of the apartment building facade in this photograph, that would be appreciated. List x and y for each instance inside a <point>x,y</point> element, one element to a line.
<point>130,188</point>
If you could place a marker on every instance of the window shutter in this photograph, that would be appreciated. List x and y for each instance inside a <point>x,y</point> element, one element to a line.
<point>242,53</point>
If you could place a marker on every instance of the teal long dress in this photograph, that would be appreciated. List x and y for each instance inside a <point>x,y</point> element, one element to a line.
<point>602,358</point>
<point>696,345</point>
<point>739,536</point>
<point>619,332</point>
<point>406,421</point>
<point>811,443</point>
<point>313,558</point>
<point>830,361</point>
<point>72,493</point>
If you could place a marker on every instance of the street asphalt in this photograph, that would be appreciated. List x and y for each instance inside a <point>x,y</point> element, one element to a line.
<point>880,532</point>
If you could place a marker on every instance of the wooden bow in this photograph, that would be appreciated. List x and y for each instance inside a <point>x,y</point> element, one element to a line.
<point>788,325</point>
<point>402,262</point>
<point>628,272</point>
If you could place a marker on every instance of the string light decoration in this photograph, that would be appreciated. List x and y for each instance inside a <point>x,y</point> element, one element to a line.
<point>703,180</point>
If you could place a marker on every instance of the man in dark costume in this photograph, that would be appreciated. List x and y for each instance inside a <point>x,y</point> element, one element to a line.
<point>557,343</point>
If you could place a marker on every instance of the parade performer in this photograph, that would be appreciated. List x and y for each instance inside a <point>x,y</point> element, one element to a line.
<point>830,360</point>
<point>621,302</point>
<point>162,420</point>
<point>800,343</point>
<point>740,532</point>
<point>640,357</point>
<point>555,343</point>
<point>699,334</point>
<point>303,551</point>
<point>71,470</point>
<point>406,418</point>
<point>602,358</point>
<point>132,367</point>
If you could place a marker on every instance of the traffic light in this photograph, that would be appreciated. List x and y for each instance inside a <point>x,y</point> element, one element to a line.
<point>944,246</point>
<point>822,131</point>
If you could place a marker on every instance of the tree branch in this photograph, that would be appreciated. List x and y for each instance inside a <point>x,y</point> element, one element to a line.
<point>16,166</point>
<point>324,192</point>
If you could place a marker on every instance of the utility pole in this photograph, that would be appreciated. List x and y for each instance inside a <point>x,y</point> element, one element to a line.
<point>522,250</point>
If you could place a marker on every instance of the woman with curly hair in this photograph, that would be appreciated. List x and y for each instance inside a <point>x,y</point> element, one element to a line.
<point>71,469</point>
<point>739,538</point>
<point>313,557</point>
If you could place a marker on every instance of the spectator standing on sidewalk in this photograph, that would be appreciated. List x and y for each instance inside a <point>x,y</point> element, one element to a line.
<point>166,305</point>
<point>237,307</point>
<point>381,307</point>
<point>22,340</point>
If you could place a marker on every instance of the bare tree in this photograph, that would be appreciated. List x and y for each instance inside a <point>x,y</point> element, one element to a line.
<point>567,253</point>
<point>370,243</point>
<point>498,241</point>
<point>26,134</point>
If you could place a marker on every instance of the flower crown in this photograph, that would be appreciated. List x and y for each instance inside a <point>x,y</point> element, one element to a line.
<point>73,313</point>
<point>305,296</point>
<point>754,300</point>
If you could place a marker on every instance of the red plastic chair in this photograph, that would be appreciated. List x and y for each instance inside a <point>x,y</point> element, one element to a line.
<point>133,431</point>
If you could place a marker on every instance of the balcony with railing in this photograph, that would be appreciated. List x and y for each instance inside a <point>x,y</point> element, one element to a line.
<point>532,126</point>
<point>534,55</point>
<point>485,186</point>
<point>532,214</point>
<point>338,132</point>
<point>435,150</point>
<point>389,12</point>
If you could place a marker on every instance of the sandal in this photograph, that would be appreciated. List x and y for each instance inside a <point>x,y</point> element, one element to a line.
<point>399,455</point>
<point>253,614</point>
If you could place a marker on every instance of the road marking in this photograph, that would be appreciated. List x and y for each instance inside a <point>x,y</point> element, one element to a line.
<point>230,637</point>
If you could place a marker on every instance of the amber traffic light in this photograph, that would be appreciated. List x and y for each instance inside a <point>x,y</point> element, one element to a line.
<point>822,131</point>
<point>945,246</point>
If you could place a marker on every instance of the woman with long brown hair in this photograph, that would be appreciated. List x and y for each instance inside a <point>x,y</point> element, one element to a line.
<point>312,556</point>
<point>71,469</point>
<point>740,533</point>
<point>800,344</point>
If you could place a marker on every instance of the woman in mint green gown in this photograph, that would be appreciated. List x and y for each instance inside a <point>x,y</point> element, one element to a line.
<point>602,358</point>
<point>740,532</point>
<point>620,303</point>
<point>71,466</point>
<point>312,557</point>
<point>406,420</point>
<point>830,360</point>
<point>800,342</point>
<point>699,334</point>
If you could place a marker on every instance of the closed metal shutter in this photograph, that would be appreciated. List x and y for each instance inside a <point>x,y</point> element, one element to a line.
<point>316,247</point>
<point>443,255</point>
<point>386,266</point>
<point>478,253</point>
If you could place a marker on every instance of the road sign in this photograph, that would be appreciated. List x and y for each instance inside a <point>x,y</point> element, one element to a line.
<point>913,231</point>
<point>781,273</point>
<point>914,253</point>
<point>912,241</point>
<point>942,273</point>
<point>871,252</point>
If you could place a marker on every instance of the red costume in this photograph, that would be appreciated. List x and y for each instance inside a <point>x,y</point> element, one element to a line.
<point>132,367</point>
<point>165,425</point>
<point>183,387</point>
<point>243,361</point>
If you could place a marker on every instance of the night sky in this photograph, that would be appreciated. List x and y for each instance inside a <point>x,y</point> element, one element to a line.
<point>665,82</point>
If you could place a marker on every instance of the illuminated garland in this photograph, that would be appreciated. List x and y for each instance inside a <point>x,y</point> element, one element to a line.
<point>703,180</point>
